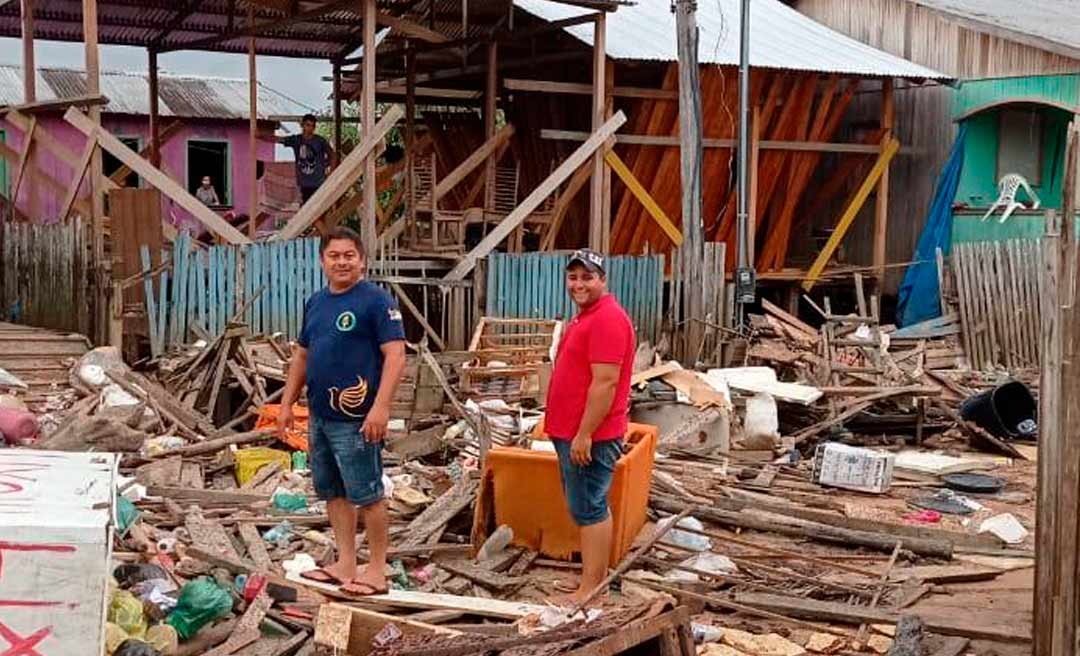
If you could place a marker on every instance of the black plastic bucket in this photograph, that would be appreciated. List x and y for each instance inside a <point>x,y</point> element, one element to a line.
<point>1008,411</point>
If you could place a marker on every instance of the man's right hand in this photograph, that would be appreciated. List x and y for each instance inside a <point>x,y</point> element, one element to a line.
<point>284,420</point>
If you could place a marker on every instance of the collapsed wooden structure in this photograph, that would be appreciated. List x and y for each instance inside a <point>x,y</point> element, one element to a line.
<point>507,112</point>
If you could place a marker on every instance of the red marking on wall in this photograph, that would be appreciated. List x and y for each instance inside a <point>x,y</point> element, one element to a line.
<point>14,472</point>
<point>30,546</point>
<point>22,646</point>
<point>22,603</point>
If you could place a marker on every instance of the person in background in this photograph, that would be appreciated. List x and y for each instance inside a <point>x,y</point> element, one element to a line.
<point>206,192</point>
<point>587,403</point>
<point>351,354</point>
<point>313,155</point>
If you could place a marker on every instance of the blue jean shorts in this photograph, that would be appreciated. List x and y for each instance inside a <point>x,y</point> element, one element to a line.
<point>586,488</point>
<point>343,463</point>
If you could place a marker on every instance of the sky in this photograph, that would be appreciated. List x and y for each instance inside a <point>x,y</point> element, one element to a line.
<point>300,79</point>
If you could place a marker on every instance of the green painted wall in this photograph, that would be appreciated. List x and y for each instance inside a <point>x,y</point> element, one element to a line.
<point>1023,224</point>
<point>978,180</point>
<point>1059,89</point>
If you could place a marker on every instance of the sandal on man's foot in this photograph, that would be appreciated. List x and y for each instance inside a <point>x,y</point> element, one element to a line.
<point>321,575</point>
<point>357,588</point>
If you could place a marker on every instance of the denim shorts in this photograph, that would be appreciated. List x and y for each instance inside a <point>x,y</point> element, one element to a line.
<point>586,488</point>
<point>343,463</point>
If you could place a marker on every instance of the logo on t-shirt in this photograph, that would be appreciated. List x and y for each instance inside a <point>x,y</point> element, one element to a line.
<point>345,321</point>
<point>394,314</point>
<point>349,400</point>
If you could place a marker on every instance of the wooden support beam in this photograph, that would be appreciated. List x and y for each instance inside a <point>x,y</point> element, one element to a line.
<point>58,104</point>
<point>341,179</point>
<point>155,115</point>
<point>534,199</point>
<point>418,315</point>
<point>672,142</point>
<point>651,206</point>
<point>262,28</point>
<point>157,178</point>
<point>253,131</point>
<point>39,177</point>
<point>28,63</point>
<point>53,145</point>
<point>369,231</point>
<point>409,28</point>
<point>544,86</point>
<point>596,189</point>
<point>80,173</point>
<point>576,184</point>
<point>99,267</point>
<point>336,91</point>
<point>24,158</point>
<point>475,159</point>
<point>890,146</point>
<point>881,202</point>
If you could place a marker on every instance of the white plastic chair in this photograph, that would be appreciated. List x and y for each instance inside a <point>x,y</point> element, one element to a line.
<point>1007,188</point>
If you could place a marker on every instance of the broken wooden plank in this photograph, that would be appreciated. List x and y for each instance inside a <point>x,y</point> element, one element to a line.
<point>247,629</point>
<point>534,199</point>
<point>256,546</point>
<point>971,626</point>
<point>210,535</point>
<point>429,600</point>
<point>205,496</point>
<point>436,516</point>
<point>483,577</point>
<point>946,573</point>
<point>218,443</point>
<point>350,630</point>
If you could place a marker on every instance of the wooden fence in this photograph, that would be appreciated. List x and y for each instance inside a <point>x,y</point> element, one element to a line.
<point>45,276</point>
<point>200,289</point>
<point>532,286</point>
<point>999,289</point>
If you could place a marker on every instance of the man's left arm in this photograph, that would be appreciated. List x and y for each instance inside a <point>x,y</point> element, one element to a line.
<point>605,380</point>
<point>378,417</point>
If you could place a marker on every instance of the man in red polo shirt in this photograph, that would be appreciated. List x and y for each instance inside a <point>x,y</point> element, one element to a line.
<point>587,402</point>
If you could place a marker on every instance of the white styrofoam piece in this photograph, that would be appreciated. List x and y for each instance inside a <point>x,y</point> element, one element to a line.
<point>763,379</point>
<point>56,520</point>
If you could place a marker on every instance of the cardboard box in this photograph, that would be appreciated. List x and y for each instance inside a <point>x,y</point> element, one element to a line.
<point>853,468</point>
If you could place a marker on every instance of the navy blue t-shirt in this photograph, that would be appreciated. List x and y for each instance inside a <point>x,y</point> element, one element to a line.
<point>312,157</point>
<point>343,334</point>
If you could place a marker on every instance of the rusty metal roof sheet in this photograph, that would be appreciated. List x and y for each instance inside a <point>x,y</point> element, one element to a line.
<point>184,96</point>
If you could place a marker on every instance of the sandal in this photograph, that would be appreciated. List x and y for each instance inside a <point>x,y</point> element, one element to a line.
<point>356,588</point>
<point>321,575</point>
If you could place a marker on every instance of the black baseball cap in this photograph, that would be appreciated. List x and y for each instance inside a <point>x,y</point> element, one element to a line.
<point>589,259</point>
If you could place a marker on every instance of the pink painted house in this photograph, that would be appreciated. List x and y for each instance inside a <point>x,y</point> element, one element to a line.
<point>203,123</point>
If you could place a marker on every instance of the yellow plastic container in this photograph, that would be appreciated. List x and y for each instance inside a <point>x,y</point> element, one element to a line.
<point>526,491</point>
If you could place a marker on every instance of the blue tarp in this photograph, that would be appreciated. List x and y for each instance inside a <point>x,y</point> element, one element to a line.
<point>920,292</point>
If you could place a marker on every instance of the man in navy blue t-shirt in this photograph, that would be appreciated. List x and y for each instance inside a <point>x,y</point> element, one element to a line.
<point>351,354</point>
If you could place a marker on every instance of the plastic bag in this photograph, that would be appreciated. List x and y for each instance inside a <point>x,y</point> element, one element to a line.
<point>690,541</point>
<point>114,637</point>
<point>132,647</point>
<point>762,421</point>
<point>126,514</point>
<point>250,461</point>
<point>163,638</point>
<point>290,502</point>
<point>130,574</point>
<point>126,611</point>
<point>201,601</point>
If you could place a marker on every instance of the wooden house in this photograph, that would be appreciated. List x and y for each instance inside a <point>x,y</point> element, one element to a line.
<point>205,132</point>
<point>1016,63</point>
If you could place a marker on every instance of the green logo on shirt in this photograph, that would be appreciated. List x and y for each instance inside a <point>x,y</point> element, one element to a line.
<point>346,321</point>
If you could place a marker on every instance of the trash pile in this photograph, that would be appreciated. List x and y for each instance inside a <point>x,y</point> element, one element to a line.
<point>826,495</point>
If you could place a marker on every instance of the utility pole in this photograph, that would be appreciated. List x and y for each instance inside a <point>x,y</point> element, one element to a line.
<point>745,278</point>
<point>691,152</point>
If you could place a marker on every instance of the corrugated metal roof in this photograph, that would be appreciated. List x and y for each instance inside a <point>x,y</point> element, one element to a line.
<point>780,37</point>
<point>129,93</point>
<point>1052,25</point>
